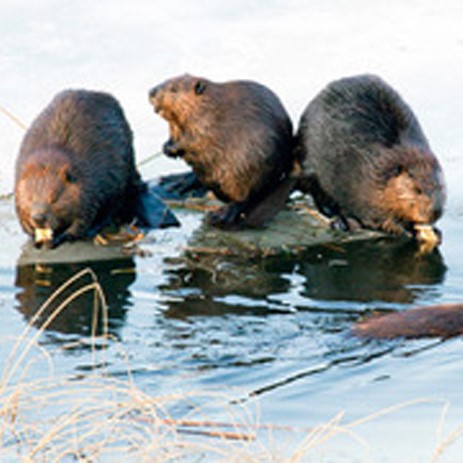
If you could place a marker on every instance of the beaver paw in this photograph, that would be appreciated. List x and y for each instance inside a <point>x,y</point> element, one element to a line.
<point>171,149</point>
<point>61,238</point>
<point>226,218</point>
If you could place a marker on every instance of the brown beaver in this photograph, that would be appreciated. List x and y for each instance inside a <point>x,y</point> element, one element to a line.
<point>366,160</point>
<point>443,321</point>
<point>75,171</point>
<point>237,137</point>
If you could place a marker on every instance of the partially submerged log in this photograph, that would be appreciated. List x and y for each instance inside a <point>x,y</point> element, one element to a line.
<point>297,227</point>
<point>293,230</point>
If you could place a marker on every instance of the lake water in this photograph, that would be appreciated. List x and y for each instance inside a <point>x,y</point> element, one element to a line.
<point>273,334</point>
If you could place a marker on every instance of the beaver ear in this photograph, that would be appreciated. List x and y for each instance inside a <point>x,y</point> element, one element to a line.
<point>200,86</point>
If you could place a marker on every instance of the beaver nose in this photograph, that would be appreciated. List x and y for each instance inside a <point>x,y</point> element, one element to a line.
<point>436,213</point>
<point>39,219</point>
<point>152,92</point>
<point>154,98</point>
<point>39,215</point>
<point>438,202</point>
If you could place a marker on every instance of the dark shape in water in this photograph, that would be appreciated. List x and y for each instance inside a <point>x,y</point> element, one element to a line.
<point>38,282</point>
<point>390,270</point>
<point>442,321</point>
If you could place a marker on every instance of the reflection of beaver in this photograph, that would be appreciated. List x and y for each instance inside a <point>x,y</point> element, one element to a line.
<point>367,161</point>
<point>237,137</point>
<point>443,321</point>
<point>37,283</point>
<point>75,171</point>
<point>388,270</point>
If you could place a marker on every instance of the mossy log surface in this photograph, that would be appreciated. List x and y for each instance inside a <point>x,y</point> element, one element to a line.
<point>298,227</point>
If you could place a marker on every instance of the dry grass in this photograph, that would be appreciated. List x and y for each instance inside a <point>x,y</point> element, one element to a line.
<point>98,418</point>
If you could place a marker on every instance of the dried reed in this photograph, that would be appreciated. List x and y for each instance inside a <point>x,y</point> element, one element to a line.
<point>99,418</point>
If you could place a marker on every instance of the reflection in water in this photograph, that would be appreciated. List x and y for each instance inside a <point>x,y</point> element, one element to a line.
<point>216,285</point>
<point>287,319</point>
<point>37,282</point>
<point>388,270</point>
<point>385,270</point>
<point>304,339</point>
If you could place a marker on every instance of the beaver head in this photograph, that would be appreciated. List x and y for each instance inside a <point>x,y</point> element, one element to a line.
<point>47,195</point>
<point>177,98</point>
<point>412,189</point>
<point>192,106</point>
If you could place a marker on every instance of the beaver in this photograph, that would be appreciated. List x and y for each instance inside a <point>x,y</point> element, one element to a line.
<point>238,139</point>
<point>443,321</point>
<point>367,162</point>
<point>75,171</point>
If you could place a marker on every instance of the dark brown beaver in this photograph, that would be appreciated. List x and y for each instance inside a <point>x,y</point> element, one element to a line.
<point>366,160</point>
<point>444,321</point>
<point>237,137</point>
<point>75,171</point>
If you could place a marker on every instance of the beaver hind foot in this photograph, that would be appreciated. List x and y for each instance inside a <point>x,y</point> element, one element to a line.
<point>151,212</point>
<point>252,213</point>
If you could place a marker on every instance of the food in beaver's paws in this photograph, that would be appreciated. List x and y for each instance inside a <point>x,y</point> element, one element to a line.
<point>426,234</point>
<point>43,235</point>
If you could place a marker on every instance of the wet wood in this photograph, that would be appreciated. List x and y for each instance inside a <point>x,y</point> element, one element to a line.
<point>296,228</point>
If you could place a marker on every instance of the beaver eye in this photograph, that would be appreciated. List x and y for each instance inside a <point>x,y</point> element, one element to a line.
<point>397,170</point>
<point>70,178</point>
<point>200,87</point>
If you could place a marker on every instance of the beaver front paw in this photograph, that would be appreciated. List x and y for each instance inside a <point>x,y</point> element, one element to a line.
<point>171,149</point>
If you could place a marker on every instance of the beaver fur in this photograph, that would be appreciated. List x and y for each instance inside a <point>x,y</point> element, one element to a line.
<point>237,137</point>
<point>75,171</point>
<point>366,160</point>
<point>443,321</point>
